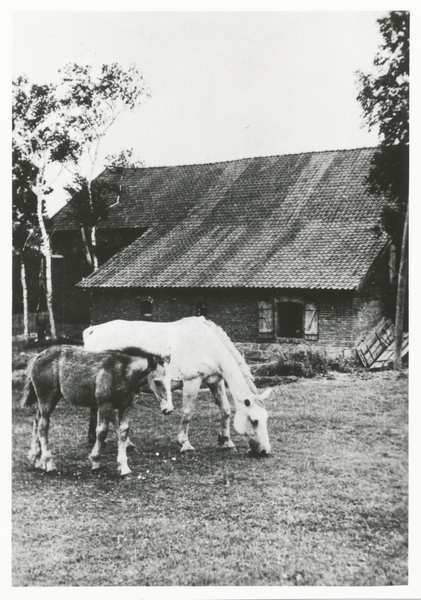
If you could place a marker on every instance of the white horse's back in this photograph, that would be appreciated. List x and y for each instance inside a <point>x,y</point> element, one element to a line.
<point>120,334</point>
<point>188,344</point>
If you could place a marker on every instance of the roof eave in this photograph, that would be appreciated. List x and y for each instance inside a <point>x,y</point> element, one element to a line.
<point>373,265</point>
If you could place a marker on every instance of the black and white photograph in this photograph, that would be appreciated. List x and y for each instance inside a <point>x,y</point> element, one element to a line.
<point>209,305</point>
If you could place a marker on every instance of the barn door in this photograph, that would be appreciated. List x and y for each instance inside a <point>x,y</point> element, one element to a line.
<point>311,322</point>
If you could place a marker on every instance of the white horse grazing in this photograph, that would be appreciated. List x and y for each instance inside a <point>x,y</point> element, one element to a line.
<point>198,353</point>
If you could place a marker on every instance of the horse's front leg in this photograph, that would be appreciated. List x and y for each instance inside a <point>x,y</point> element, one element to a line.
<point>190,391</point>
<point>123,438</point>
<point>220,396</point>
<point>105,415</point>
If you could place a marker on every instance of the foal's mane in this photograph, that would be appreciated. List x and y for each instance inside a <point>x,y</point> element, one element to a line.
<point>139,353</point>
<point>244,368</point>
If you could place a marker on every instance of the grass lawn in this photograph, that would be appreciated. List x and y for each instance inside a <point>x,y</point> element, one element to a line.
<point>328,507</point>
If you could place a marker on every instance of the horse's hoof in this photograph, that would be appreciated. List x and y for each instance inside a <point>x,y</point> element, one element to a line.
<point>32,457</point>
<point>125,473</point>
<point>225,442</point>
<point>228,446</point>
<point>50,467</point>
<point>40,464</point>
<point>187,447</point>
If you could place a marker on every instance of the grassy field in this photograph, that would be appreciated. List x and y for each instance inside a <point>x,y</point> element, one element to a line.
<point>329,507</point>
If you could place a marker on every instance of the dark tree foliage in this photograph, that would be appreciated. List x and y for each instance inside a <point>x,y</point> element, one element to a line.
<point>119,163</point>
<point>384,97</point>
<point>102,192</point>
<point>24,200</point>
<point>25,232</point>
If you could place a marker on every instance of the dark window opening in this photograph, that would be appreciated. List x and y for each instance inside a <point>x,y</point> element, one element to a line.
<point>201,309</point>
<point>290,320</point>
<point>146,308</point>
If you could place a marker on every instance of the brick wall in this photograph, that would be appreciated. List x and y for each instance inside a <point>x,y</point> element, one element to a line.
<point>345,317</point>
<point>336,314</point>
<point>373,302</point>
<point>234,310</point>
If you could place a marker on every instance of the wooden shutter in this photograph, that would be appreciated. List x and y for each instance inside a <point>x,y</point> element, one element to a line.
<point>311,322</point>
<point>265,317</point>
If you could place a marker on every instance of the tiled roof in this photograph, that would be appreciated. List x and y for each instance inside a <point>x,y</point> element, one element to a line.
<point>295,221</point>
<point>147,195</point>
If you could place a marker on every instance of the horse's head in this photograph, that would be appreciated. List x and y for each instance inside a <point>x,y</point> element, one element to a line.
<point>251,421</point>
<point>160,384</point>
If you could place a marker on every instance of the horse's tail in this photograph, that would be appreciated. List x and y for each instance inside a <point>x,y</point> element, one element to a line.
<point>29,396</point>
<point>245,369</point>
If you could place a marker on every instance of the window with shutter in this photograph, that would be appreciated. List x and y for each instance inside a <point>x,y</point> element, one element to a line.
<point>311,322</point>
<point>265,310</point>
<point>290,319</point>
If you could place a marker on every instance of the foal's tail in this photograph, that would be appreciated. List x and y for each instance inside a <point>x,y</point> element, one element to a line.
<point>29,395</point>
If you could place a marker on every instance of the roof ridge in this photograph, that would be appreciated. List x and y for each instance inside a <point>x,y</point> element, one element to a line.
<point>246,158</point>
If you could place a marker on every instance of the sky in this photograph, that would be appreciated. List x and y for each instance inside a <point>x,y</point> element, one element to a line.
<point>224,85</point>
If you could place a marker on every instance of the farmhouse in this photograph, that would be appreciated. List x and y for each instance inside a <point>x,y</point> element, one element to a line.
<point>280,249</point>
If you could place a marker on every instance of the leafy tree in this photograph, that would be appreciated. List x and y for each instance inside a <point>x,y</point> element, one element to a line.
<point>25,227</point>
<point>122,161</point>
<point>64,125</point>
<point>40,140</point>
<point>90,202</point>
<point>384,97</point>
<point>92,105</point>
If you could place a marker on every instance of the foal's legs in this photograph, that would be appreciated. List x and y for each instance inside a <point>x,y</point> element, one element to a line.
<point>93,420</point>
<point>220,396</point>
<point>46,461</point>
<point>34,454</point>
<point>123,439</point>
<point>190,391</point>
<point>105,415</point>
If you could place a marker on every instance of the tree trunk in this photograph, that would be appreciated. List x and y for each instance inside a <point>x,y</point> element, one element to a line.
<point>401,293</point>
<point>85,245</point>
<point>25,299</point>
<point>93,228</point>
<point>46,250</point>
<point>49,292</point>
<point>94,247</point>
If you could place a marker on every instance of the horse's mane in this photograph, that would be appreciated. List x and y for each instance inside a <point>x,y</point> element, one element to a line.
<point>244,368</point>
